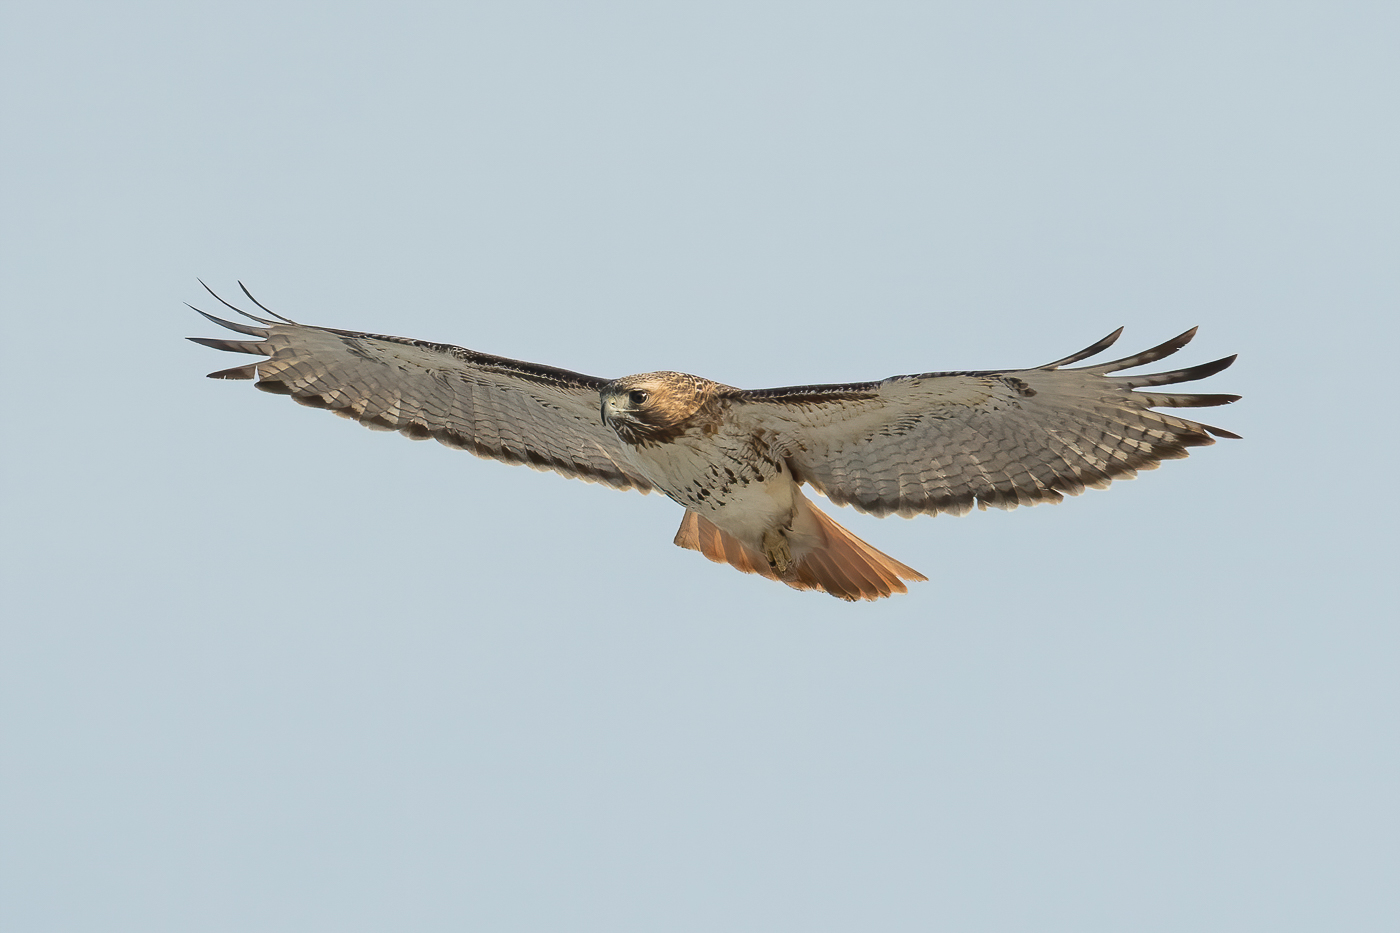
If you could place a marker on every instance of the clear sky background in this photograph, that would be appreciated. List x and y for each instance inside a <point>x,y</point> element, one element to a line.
<point>265,670</point>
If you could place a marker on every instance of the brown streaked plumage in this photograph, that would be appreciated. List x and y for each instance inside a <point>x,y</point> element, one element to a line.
<point>736,459</point>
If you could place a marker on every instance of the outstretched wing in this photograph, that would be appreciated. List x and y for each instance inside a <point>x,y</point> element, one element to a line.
<point>942,442</point>
<point>499,408</point>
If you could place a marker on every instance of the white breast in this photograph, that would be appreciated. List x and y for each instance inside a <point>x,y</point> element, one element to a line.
<point>739,494</point>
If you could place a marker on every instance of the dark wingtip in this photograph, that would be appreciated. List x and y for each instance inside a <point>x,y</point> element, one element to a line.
<point>220,300</point>
<point>1166,348</point>
<point>1190,374</point>
<point>239,328</point>
<point>238,372</point>
<point>1211,401</point>
<point>263,306</point>
<point>1091,350</point>
<point>1211,368</point>
<point>233,346</point>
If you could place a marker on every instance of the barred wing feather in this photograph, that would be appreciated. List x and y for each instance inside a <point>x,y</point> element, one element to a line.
<point>494,407</point>
<point>944,442</point>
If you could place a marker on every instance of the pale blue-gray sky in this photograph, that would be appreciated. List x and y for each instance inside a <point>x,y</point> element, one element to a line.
<point>265,670</point>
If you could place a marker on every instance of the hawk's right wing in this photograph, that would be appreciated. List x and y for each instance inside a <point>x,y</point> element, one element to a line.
<point>494,407</point>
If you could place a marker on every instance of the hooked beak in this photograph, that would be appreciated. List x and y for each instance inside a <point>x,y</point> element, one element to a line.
<point>610,411</point>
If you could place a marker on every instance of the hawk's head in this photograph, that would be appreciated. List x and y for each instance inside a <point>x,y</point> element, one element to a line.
<point>656,407</point>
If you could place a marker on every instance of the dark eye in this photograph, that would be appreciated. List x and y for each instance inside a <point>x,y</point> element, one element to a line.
<point>637,397</point>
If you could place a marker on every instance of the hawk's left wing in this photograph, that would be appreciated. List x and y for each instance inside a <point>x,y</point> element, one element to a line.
<point>942,442</point>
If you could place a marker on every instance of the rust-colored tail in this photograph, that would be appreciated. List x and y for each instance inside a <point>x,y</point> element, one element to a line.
<point>842,565</point>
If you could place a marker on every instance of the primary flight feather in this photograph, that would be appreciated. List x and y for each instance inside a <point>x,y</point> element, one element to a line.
<point>736,459</point>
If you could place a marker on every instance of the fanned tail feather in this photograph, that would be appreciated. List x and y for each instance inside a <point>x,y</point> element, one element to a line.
<point>699,534</point>
<point>842,565</point>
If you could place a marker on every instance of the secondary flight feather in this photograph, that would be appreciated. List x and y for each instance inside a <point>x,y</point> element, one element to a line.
<point>736,459</point>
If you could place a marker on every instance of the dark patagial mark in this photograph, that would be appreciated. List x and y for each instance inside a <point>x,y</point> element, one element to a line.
<point>1019,385</point>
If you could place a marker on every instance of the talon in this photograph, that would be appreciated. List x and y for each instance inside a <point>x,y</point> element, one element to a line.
<point>775,548</point>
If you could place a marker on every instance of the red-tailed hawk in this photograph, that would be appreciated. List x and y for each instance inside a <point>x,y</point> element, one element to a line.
<point>736,459</point>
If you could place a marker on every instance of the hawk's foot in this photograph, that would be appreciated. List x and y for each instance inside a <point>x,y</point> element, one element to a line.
<point>775,548</point>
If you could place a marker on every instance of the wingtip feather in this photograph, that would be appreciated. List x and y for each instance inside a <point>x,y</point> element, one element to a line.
<point>264,307</point>
<point>1093,349</point>
<point>1166,348</point>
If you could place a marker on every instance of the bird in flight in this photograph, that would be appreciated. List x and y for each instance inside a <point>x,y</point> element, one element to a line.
<point>736,459</point>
